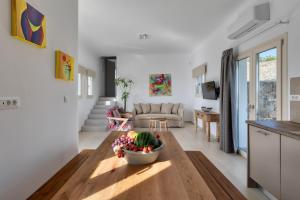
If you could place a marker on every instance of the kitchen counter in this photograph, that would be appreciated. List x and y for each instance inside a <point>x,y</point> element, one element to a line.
<point>286,128</point>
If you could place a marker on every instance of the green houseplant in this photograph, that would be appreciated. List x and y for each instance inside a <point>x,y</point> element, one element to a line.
<point>125,85</point>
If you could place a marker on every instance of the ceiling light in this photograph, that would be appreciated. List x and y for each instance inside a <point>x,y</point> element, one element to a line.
<point>144,36</point>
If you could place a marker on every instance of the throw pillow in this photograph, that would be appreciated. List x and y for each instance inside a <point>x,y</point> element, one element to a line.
<point>175,108</point>
<point>155,108</point>
<point>138,108</point>
<point>166,108</point>
<point>146,108</point>
<point>116,113</point>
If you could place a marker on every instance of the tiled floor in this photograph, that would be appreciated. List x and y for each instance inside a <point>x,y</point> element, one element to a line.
<point>234,167</point>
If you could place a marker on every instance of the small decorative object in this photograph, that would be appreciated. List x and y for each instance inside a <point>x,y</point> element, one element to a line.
<point>28,24</point>
<point>160,85</point>
<point>206,109</point>
<point>64,66</point>
<point>125,85</point>
<point>138,148</point>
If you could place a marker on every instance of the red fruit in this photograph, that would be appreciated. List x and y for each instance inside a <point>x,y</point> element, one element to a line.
<point>145,150</point>
<point>157,136</point>
<point>135,149</point>
<point>150,148</point>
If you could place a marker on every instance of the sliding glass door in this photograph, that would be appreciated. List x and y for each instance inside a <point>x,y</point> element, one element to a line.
<point>243,91</point>
<point>268,83</point>
<point>259,87</point>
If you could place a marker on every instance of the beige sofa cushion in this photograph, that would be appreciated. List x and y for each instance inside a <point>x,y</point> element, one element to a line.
<point>146,108</point>
<point>155,108</point>
<point>157,116</point>
<point>175,108</point>
<point>166,108</point>
<point>138,108</point>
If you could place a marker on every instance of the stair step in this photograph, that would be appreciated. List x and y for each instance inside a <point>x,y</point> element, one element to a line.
<point>98,111</point>
<point>101,107</point>
<point>97,116</point>
<point>107,98</point>
<point>93,128</point>
<point>96,122</point>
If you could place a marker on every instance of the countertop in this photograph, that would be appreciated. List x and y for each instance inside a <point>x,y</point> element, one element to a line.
<point>286,128</point>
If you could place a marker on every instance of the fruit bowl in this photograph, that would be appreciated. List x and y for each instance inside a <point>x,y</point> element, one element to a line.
<point>141,158</point>
<point>138,148</point>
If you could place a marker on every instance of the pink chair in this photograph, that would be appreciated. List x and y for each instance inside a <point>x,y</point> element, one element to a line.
<point>116,121</point>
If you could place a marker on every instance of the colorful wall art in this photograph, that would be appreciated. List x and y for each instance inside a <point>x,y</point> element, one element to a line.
<point>64,68</point>
<point>160,85</point>
<point>28,24</point>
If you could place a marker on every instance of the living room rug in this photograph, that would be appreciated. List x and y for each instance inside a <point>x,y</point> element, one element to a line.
<point>221,187</point>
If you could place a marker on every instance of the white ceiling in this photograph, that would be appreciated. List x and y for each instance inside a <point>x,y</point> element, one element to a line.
<point>112,27</point>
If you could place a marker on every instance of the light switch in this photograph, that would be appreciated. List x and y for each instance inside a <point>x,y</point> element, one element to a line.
<point>65,99</point>
<point>9,103</point>
<point>295,97</point>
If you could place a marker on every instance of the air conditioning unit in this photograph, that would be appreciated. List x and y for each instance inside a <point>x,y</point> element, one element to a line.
<point>250,20</point>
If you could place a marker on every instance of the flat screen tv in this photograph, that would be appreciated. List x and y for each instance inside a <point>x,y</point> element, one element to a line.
<point>210,91</point>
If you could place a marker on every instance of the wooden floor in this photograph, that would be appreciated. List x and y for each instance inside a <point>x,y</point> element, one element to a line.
<point>221,187</point>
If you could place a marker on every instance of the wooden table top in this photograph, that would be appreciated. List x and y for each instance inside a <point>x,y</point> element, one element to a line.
<point>207,113</point>
<point>104,176</point>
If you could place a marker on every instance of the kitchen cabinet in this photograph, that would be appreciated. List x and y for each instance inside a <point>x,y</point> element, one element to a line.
<point>264,158</point>
<point>290,166</point>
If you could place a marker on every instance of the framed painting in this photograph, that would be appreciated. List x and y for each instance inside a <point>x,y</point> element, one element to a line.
<point>64,66</point>
<point>27,23</point>
<point>160,85</point>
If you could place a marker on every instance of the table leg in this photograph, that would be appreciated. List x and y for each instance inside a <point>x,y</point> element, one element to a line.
<point>160,124</point>
<point>204,125</point>
<point>208,129</point>
<point>196,121</point>
<point>218,131</point>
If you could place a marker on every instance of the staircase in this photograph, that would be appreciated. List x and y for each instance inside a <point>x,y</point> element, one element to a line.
<point>97,118</point>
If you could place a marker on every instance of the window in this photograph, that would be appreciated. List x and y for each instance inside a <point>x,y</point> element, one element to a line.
<point>90,86</point>
<point>198,85</point>
<point>85,85</point>
<point>79,89</point>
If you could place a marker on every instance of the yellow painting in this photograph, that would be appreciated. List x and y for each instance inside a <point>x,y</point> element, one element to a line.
<point>64,66</point>
<point>27,23</point>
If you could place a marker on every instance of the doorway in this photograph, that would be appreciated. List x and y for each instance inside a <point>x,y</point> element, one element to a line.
<point>110,76</point>
<point>260,81</point>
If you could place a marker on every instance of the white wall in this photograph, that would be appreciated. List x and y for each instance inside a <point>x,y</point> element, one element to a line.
<point>210,51</point>
<point>41,136</point>
<point>89,60</point>
<point>139,67</point>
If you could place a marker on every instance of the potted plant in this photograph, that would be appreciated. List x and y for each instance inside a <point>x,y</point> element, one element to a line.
<point>125,86</point>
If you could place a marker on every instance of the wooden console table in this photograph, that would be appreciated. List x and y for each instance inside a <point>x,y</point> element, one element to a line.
<point>207,118</point>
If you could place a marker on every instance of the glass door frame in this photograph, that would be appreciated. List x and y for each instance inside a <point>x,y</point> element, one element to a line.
<point>271,45</point>
<point>282,76</point>
<point>245,55</point>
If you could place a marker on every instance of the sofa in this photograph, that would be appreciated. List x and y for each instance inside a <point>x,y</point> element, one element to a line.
<point>144,112</point>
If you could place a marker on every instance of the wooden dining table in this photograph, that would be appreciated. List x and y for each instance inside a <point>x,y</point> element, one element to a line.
<point>103,176</point>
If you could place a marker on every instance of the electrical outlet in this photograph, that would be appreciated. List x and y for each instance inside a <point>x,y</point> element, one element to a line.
<point>9,103</point>
<point>295,97</point>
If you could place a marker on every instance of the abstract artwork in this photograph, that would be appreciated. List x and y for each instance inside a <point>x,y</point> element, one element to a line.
<point>28,24</point>
<point>160,85</point>
<point>64,66</point>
